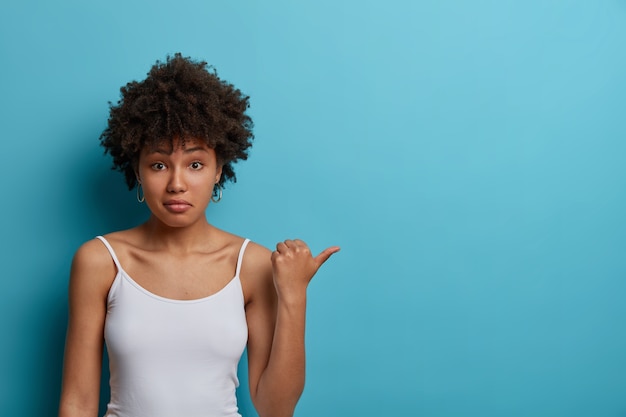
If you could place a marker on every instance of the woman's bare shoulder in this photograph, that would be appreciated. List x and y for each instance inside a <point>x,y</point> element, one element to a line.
<point>92,267</point>
<point>257,255</point>
<point>93,257</point>
<point>256,268</point>
<point>124,242</point>
<point>124,237</point>
<point>92,253</point>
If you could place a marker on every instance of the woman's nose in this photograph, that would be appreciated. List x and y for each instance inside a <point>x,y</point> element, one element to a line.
<point>177,181</point>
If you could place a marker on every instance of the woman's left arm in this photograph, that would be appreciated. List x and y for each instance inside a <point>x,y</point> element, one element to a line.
<point>276,314</point>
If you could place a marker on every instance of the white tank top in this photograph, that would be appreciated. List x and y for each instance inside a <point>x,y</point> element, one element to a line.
<point>173,358</point>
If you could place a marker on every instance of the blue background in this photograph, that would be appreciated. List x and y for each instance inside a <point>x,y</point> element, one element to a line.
<point>467,156</point>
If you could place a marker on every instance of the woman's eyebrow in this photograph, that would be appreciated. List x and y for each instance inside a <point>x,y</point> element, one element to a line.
<point>169,151</point>
<point>195,149</point>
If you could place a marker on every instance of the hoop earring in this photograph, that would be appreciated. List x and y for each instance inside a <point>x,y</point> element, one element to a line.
<point>143,197</point>
<point>217,192</point>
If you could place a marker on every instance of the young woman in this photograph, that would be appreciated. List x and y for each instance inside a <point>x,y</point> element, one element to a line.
<point>176,299</point>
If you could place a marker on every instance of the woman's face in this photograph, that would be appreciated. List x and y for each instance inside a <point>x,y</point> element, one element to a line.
<point>178,180</point>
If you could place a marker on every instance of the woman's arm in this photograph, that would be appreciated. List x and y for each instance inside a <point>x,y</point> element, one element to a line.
<point>90,279</point>
<point>276,321</point>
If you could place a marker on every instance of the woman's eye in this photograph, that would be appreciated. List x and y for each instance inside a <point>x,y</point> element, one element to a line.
<point>196,165</point>
<point>158,166</point>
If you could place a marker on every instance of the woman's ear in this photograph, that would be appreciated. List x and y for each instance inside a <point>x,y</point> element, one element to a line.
<point>136,170</point>
<point>218,173</point>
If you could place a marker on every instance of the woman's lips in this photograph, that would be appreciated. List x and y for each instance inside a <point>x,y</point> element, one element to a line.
<point>177,206</point>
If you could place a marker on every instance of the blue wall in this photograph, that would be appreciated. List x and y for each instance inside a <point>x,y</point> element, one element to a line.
<point>467,156</point>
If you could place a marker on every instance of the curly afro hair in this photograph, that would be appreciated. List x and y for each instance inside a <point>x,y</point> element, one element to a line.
<point>181,99</point>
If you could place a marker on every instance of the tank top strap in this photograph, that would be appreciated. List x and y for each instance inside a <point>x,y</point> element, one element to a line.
<point>240,257</point>
<point>111,252</point>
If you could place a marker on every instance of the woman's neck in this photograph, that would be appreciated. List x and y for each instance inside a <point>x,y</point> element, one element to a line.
<point>160,236</point>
